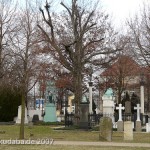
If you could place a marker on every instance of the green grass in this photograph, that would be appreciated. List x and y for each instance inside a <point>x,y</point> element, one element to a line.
<point>41,132</point>
<point>60,147</point>
<point>12,132</point>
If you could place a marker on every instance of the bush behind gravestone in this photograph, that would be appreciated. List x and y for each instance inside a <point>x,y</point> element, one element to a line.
<point>9,102</point>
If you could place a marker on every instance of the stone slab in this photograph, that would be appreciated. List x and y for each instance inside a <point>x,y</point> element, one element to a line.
<point>128,131</point>
<point>106,128</point>
<point>120,126</point>
<point>138,127</point>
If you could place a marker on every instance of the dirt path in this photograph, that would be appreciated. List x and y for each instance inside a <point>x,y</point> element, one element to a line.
<point>101,144</point>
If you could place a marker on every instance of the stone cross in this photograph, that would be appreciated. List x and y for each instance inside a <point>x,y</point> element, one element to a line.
<point>138,112</point>
<point>120,108</point>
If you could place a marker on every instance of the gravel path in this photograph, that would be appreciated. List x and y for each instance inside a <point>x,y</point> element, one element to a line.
<point>101,144</point>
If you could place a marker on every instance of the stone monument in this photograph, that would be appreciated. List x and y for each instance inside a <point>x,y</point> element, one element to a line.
<point>142,94</point>
<point>108,103</point>
<point>50,109</point>
<point>84,112</point>
<point>18,120</point>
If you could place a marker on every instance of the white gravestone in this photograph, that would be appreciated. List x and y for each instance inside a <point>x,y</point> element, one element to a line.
<point>138,112</point>
<point>120,108</point>
<point>18,120</point>
<point>148,127</point>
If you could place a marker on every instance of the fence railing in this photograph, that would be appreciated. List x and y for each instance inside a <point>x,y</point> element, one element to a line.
<point>94,119</point>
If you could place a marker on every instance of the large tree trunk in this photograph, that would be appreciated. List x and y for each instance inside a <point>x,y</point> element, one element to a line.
<point>21,136</point>
<point>78,93</point>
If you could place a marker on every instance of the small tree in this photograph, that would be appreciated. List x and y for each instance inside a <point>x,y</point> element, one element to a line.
<point>25,45</point>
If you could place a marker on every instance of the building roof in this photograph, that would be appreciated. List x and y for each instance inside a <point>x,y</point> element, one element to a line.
<point>125,65</point>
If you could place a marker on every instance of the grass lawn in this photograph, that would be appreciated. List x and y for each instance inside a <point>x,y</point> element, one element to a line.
<point>41,132</point>
<point>57,147</point>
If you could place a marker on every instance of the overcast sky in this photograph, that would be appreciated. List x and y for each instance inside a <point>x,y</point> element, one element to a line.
<point>122,9</point>
<point>118,9</point>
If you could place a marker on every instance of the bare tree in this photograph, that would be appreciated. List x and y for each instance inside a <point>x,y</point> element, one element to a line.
<point>7,31</point>
<point>139,30</point>
<point>25,45</point>
<point>79,36</point>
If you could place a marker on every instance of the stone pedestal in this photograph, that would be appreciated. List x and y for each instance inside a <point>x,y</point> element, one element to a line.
<point>50,113</point>
<point>128,131</point>
<point>138,126</point>
<point>84,112</point>
<point>120,126</point>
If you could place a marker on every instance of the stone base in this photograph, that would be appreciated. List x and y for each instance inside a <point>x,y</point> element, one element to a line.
<point>128,131</point>
<point>50,113</point>
<point>120,126</point>
<point>18,121</point>
<point>138,127</point>
<point>83,125</point>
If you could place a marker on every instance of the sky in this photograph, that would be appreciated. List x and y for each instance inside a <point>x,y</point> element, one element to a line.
<point>120,10</point>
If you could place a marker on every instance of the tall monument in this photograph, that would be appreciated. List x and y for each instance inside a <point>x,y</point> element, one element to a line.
<point>50,108</point>
<point>142,94</point>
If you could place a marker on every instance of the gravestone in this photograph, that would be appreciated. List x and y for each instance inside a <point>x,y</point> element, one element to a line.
<point>127,107</point>
<point>138,121</point>
<point>18,120</point>
<point>84,112</point>
<point>148,127</point>
<point>128,130</point>
<point>106,129</point>
<point>35,119</point>
<point>120,122</point>
<point>128,115</point>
